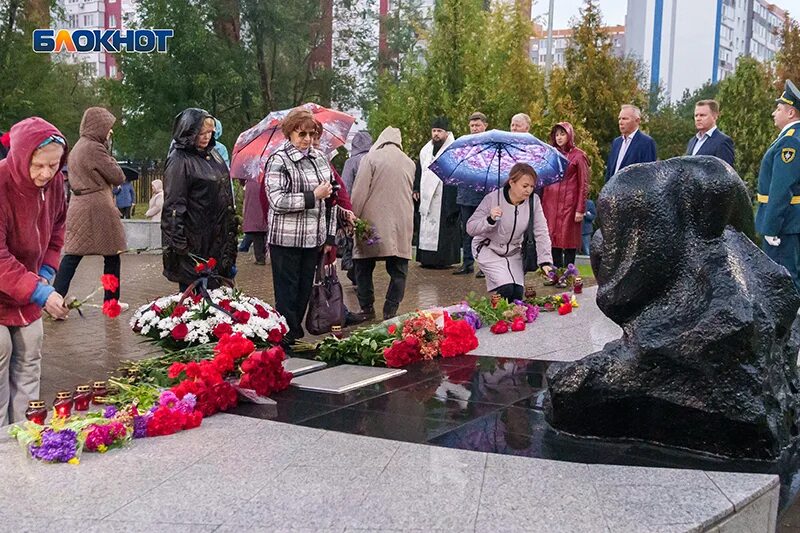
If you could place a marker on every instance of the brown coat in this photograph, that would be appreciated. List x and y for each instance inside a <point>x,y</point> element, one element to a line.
<point>381,195</point>
<point>93,222</point>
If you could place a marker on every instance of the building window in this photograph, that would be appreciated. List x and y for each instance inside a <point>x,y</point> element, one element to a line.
<point>112,21</point>
<point>87,20</point>
<point>112,71</point>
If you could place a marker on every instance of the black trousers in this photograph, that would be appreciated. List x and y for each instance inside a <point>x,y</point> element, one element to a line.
<point>511,291</point>
<point>292,278</point>
<point>397,269</point>
<point>259,239</point>
<point>563,256</point>
<point>69,264</point>
<point>125,212</point>
<point>466,239</point>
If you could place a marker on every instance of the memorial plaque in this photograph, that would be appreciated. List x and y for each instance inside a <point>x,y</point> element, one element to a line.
<point>344,378</point>
<point>299,366</point>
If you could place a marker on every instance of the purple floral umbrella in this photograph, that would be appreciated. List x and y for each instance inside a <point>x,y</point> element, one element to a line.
<point>482,161</point>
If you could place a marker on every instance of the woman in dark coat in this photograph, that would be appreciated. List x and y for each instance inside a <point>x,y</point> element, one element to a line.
<point>564,203</point>
<point>198,218</point>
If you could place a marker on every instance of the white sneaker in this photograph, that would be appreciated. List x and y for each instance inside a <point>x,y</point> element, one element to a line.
<point>123,306</point>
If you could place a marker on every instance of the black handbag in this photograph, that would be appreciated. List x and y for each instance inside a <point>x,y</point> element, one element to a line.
<point>530,261</point>
<point>326,306</point>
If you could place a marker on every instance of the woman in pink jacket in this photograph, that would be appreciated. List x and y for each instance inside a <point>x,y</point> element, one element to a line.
<point>498,227</point>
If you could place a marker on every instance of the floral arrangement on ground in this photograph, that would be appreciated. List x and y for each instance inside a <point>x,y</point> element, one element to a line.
<point>503,316</point>
<point>402,341</point>
<point>176,321</point>
<point>65,438</point>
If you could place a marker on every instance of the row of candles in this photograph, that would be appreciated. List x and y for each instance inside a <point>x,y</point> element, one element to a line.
<point>65,402</point>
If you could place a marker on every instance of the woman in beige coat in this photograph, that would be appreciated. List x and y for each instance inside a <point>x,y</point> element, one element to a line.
<point>156,201</point>
<point>93,223</point>
<point>382,196</point>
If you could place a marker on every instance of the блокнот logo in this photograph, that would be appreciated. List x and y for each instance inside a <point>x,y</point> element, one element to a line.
<point>48,41</point>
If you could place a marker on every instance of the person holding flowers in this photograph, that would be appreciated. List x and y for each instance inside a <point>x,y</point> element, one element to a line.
<point>498,228</point>
<point>32,227</point>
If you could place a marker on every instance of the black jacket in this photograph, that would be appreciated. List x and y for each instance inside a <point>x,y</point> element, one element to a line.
<point>198,217</point>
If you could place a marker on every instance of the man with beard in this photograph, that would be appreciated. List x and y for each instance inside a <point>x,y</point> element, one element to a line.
<point>439,230</point>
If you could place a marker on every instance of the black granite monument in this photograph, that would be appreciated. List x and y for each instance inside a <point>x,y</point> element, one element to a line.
<point>708,356</point>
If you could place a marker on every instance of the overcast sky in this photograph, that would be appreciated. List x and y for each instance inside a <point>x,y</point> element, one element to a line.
<point>614,10</point>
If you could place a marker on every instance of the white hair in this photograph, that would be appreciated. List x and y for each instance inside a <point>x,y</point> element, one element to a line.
<point>522,116</point>
<point>636,110</point>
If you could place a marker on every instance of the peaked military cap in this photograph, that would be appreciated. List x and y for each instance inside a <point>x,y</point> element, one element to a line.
<point>790,96</point>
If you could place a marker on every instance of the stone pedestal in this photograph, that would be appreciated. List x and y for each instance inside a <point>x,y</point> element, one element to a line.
<point>143,235</point>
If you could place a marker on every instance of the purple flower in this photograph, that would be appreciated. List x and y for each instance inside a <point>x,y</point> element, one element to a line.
<point>167,399</point>
<point>56,447</point>
<point>188,402</point>
<point>473,319</point>
<point>110,412</point>
<point>532,314</point>
<point>140,426</point>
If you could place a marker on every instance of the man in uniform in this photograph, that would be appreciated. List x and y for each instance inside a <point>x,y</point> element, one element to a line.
<point>778,216</point>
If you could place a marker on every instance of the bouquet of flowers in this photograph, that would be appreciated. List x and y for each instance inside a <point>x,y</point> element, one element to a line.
<point>563,303</point>
<point>213,382</point>
<point>365,232</point>
<point>402,340</point>
<point>111,308</point>
<point>175,322</point>
<point>561,277</point>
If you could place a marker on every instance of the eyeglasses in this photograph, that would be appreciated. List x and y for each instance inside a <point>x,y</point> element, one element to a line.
<point>304,134</point>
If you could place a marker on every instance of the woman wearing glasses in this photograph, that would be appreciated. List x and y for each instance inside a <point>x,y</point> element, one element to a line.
<point>198,220</point>
<point>93,220</point>
<point>298,180</point>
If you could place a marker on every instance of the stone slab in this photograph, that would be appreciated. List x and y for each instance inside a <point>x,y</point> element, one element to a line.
<point>241,474</point>
<point>554,337</point>
<point>299,366</point>
<point>343,378</point>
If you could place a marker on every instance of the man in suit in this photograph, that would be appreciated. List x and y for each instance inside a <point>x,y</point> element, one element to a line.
<point>778,215</point>
<point>709,140</point>
<point>632,146</point>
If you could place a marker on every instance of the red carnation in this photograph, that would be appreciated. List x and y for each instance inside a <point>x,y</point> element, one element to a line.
<point>261,312</point>
<point>199,267</point>
<point>156,309</point>
<point>225,304</point>
<point>175,370</point>
<point>459,338</point>
<point>111,308</point>
<point>211,263</point>
<point>500,327</point>
<point>518,324</point>
<point>196,298</point>
<point>564,309</point>
<point>403,352</point>
<point>179,332</point>
<point>223,328</point>
<point>110,282</point>
<point>179,311</point>
<point>275,336</point>
<point>392,329</point>
<point>242,317</point>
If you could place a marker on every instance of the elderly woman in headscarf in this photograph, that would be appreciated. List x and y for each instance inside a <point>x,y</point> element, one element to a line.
<point>156,201</point>
<point>564,203</point>
<point>198,220</point>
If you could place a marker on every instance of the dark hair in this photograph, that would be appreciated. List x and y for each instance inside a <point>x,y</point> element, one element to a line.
<point>522,169</point>
<point>317,129</point>
<point>713,105</point>
<point>298,118</point>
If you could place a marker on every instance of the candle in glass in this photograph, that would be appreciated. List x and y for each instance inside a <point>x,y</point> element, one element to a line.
<point>36,412</point>
<point>99,390</point>
<point>63,404</point>
<point>83,396</point>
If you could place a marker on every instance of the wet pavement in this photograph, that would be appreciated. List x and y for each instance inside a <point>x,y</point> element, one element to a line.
<point>80,350</point>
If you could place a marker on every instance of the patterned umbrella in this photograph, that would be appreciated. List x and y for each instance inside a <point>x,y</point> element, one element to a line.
<point>254,146</point>
<point>482,161</point>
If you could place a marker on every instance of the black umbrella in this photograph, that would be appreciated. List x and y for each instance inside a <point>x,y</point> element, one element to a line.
<point>130,174</point>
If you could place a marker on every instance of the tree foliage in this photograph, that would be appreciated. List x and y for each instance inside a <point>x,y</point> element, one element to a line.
<point>747,100</point>
<point>787,60</point>
<point>33,84</point>
<point>598,81</point>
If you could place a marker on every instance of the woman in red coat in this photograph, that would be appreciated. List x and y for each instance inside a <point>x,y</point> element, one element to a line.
<point>564,203</point>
